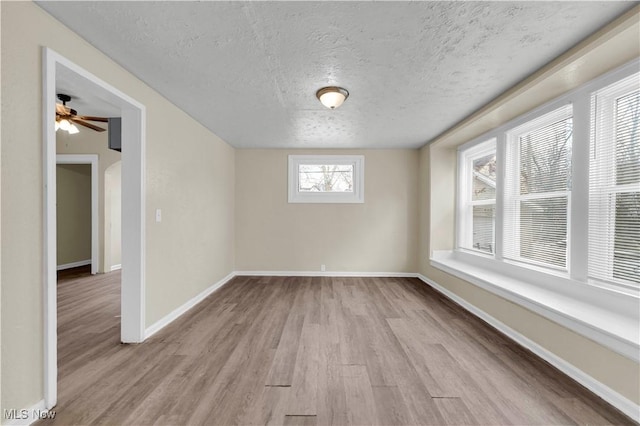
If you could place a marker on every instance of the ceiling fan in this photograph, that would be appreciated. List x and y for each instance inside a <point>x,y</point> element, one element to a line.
<point>67,117</point>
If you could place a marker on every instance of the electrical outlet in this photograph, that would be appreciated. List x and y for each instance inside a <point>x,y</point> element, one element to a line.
<point>158,215</point>
<point>322,268</point>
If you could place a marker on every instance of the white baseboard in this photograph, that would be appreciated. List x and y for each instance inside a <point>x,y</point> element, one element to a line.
<point>116,267</point>
<point>326,274</point>
<point>26,416</point>
<point>73,264</point>
<point>173,315</point>
<point>623,404</point>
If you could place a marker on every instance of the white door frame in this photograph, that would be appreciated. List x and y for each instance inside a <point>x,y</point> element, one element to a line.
<point>133,116</point>
<point>91,159</point>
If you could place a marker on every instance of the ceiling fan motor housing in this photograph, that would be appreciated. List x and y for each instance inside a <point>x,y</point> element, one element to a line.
<point>64,98</point>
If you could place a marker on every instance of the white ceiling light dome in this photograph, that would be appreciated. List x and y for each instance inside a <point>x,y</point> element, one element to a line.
<point>332,97</point>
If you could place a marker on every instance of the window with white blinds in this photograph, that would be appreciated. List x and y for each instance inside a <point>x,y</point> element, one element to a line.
<point>614,184</point>
<point>479,198</point>
<point>538,189</point>
<point>558,189</point>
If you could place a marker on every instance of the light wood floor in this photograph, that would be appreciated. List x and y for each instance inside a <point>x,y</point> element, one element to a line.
<point>308,351</point>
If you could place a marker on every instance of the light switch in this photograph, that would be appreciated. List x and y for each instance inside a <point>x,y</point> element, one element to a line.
<point>158,215</point>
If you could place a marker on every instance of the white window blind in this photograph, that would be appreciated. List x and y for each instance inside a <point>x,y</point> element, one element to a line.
<point>614,184</point>
<point>538,190</point>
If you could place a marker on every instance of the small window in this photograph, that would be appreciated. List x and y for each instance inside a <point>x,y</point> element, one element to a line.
<point>326,179</point>
<point>478,198</point>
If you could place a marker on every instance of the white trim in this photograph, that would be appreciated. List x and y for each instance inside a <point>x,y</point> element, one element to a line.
<point>294,194</point>
<point>29,414</point>
<point>326,274</point>
<point>189,304</point>
<point>74,265</point>
<point>49,229</point>
<point>116,267</point>
<point>577,226</point>
<point>91,159</point>
<point>133,206</point>
<point>620,402</point>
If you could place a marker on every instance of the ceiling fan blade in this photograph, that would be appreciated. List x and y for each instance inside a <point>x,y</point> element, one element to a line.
<point>85,124</point>
<point>62,110</point>
<point>91,118</point>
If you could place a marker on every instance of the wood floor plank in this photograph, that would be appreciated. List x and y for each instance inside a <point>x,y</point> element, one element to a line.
<point>455,412</point>
<point>359,394</point>
<point>390,406</point>
<point>331,398</point>
<point>305,351</point>
<point>268,408</point>
<point>281,373</point>
<point>304,386</point>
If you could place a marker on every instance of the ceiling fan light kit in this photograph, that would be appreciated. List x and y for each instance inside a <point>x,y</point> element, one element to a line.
<point>64,125</point>
<point>332,96</point>
<point>67,118</point>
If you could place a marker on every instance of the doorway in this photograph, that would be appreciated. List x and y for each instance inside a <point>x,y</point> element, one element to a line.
<point>73,261</point>
<point>132,114</point>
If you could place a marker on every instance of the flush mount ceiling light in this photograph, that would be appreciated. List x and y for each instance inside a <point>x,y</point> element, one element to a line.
<point>332,97</point>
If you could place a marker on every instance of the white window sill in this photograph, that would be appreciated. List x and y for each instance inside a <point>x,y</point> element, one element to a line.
<point>606,316</point>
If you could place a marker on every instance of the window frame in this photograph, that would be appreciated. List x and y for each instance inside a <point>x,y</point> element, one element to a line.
<point>464,227</point>
<point>297,196</point>
<point>511,193</point>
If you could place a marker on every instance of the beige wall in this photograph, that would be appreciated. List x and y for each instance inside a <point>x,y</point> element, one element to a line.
<point>606,50</point>
<point>377,236</point>
<point>90,142</point>
<point>189,174</point>
<point>73,211</point>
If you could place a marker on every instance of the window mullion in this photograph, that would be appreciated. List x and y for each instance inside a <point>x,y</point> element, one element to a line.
<point>461,201</point>
<point>500,169</point>
<point>578,226</point>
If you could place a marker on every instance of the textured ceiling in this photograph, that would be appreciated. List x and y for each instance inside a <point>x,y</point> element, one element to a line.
<point>249,71</point>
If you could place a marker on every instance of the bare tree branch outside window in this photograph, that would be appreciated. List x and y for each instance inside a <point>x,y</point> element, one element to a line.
<point>325,178</point>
